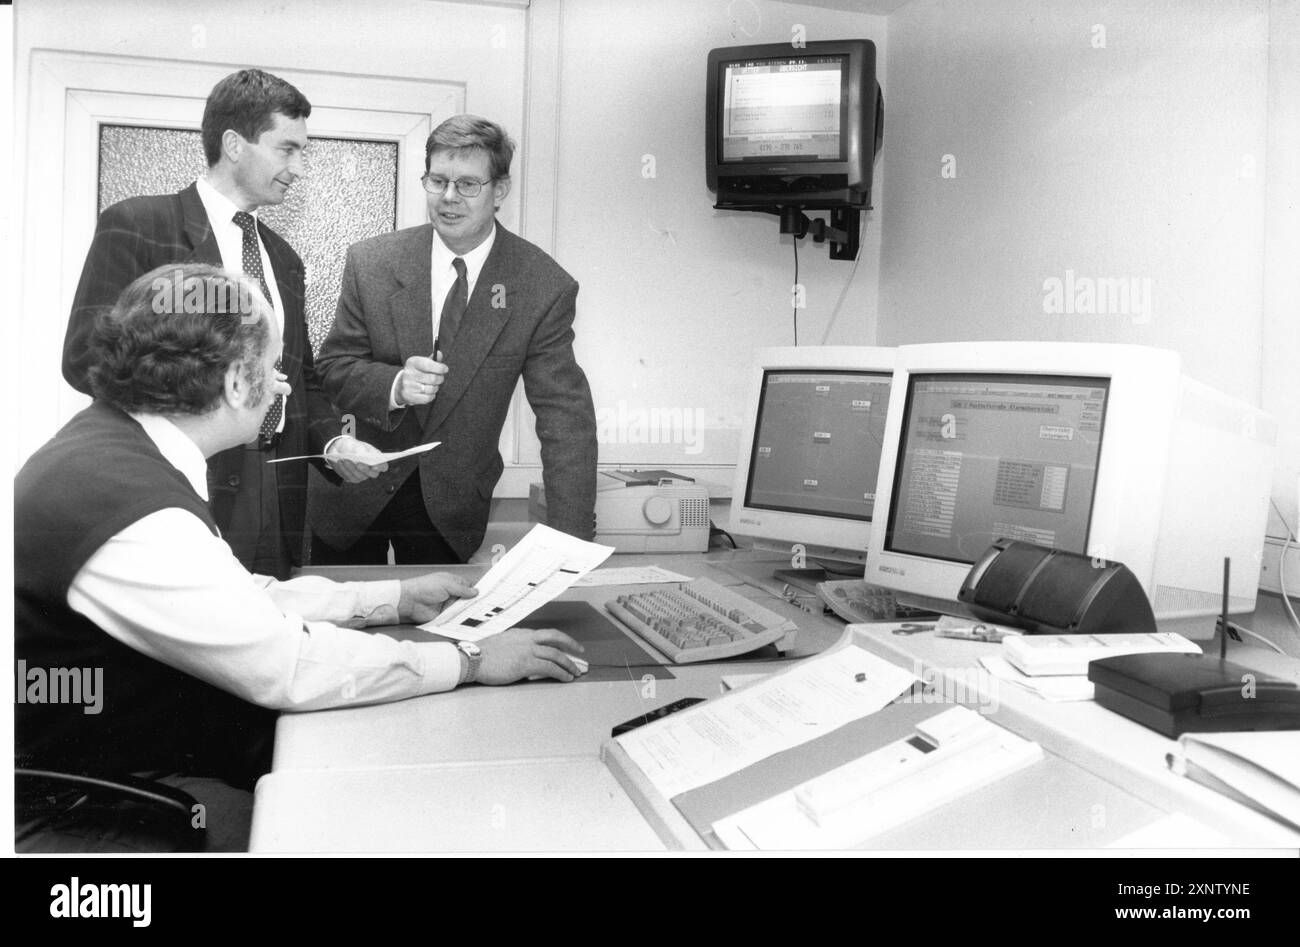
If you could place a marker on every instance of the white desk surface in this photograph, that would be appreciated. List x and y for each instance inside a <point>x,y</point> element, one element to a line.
<point>524,720</point>
<point>506,806</point>
<point>517,769</point>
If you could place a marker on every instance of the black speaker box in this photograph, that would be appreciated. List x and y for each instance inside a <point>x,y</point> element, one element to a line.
<point>1046,591</point>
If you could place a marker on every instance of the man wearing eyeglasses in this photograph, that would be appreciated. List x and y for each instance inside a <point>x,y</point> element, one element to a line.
<point>435,326</point>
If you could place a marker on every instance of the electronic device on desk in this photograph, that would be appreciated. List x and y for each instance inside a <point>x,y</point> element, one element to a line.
<point>701,621</point>
<point>809,453</point>
<point>1195,693</point>
<point>1107,451</point>
<point>1048,591</point>
<point>643,511</point>
<point>948,755</point>
<point>857,602</point>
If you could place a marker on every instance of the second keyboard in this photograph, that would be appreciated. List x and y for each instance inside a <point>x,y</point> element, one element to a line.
<point>699,621</point>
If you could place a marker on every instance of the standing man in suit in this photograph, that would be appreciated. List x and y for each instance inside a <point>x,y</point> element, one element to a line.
<point>435,326</point>
<point>254,132</point>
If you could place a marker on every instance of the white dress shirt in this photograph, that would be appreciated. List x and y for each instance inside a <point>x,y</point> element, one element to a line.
<point>221,212</point>
<point>170,589</point>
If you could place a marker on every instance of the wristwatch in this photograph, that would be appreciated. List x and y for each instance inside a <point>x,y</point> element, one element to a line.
<point>474,655</point>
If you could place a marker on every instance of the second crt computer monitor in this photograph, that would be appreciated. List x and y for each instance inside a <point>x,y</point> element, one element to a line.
<point>1102,450</point>
<point>810,452</point>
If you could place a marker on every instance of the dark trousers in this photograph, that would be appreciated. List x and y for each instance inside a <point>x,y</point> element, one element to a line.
<point>254,533</point>
<point>405,523</point>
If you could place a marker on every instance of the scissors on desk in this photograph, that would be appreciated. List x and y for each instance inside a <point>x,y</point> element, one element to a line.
<point>912,628</point>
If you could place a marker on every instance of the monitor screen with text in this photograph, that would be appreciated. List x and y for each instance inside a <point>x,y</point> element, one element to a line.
<point>817,442</point>
<point>790,109</point>
<point>987,456</point>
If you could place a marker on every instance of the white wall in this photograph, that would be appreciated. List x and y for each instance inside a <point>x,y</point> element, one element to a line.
<point>674,294</point>
<point>1281,375</point>
<point>1167,154</point>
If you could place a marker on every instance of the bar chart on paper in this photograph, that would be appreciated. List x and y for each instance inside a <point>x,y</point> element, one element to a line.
<point>542,565</point>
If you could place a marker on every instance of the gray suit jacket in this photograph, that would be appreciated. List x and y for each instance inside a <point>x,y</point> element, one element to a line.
<point>519,323</point>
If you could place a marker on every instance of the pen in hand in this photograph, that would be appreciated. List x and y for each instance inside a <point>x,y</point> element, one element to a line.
<point>421,377</point>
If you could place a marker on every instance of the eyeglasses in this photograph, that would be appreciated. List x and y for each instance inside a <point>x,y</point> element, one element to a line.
<point>465,187</point>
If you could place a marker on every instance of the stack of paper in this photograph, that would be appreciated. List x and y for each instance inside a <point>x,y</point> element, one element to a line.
<point>1060,688</point>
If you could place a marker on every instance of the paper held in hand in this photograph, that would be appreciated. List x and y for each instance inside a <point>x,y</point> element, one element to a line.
<point>383,457</point>
<point>543,564</point>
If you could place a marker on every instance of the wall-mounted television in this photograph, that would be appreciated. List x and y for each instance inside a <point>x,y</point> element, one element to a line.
<point>793,126</point>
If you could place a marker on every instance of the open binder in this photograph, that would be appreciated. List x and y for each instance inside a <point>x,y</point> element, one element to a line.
<point>767,796</point>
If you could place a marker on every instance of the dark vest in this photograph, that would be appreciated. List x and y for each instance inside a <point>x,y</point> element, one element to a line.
<point>97,476</point>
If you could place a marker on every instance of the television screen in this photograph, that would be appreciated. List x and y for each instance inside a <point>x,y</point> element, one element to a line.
<point>793,127</point>
<point>792,108</point>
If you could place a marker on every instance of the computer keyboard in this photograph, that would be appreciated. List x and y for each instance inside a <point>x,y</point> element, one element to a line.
<point>856,601</point>
<point>699,621</point>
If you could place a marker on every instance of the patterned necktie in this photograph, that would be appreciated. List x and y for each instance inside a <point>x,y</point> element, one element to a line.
<point>252,264</point>
<point>453,307</point>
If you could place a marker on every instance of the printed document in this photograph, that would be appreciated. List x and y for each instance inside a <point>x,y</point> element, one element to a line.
<point>715,739</point>
<point>543,564</point>
<point>384,457</point>
<point>629,575</point>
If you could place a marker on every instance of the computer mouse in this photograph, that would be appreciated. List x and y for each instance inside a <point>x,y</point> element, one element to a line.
<point>582,669</point>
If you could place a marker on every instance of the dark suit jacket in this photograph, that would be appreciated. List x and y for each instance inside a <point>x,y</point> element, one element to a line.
<point>142,233</point>
<point>519,323</point>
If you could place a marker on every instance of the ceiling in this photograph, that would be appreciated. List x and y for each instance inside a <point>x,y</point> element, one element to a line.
<point>876,7</point>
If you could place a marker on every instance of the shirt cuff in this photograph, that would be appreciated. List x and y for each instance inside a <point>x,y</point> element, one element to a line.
<point>326,451</point>
<point>392,393</point>
<point>440,670</point>
<point>377,602</point>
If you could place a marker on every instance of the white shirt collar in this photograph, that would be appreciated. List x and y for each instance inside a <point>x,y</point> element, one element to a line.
<point>219,207</point>
<point>474,259</point>
<point>177,449</point>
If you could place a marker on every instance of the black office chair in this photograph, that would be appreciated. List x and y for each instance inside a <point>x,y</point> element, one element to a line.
<point>73,812</point>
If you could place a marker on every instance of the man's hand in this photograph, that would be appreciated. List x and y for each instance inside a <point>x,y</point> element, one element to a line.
<point>354,460</point>
<point>421,378</point>
<point>425,596</point>
<point>528,652</point>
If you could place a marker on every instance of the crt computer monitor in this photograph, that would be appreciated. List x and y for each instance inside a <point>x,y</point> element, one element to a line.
<point>1103,450</point>
<point>810,451</point>
<point>797,126</point>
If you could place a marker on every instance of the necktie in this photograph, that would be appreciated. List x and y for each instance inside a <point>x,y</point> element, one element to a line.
<point>453,307</point>
<point>252,265</point>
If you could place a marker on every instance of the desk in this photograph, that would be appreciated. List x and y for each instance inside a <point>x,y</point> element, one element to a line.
<point>517,768</point>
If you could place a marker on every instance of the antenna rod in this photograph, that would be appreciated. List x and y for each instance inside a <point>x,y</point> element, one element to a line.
<point>1223,626</point>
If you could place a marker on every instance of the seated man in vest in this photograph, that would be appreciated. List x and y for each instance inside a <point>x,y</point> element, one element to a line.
<point>121,575</point>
